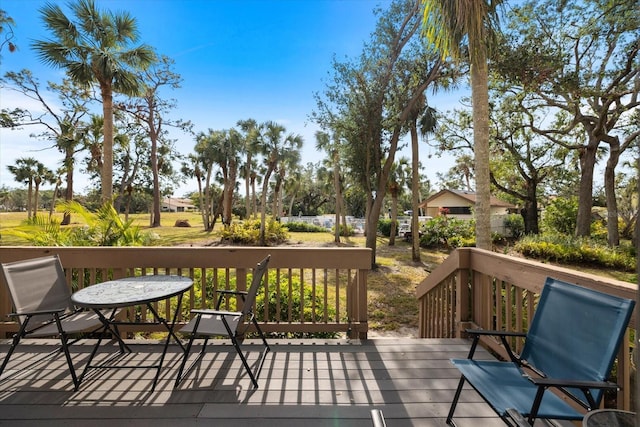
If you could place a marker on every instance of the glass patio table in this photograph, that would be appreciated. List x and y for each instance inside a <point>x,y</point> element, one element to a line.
<point>107,297</point>
<point>609,418</point>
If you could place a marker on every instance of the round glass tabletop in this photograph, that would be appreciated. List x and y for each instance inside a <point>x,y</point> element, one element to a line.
<point>131,291</point>
<point>609,418</point>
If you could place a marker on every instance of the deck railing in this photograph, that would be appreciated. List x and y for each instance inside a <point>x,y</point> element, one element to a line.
<point>482,289</point>
<point>320,290</point>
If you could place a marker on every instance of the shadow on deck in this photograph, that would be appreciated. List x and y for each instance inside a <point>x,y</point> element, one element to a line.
<point>303,383</point>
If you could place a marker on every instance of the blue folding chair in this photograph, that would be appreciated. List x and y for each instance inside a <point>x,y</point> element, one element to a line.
<point>570,346</point>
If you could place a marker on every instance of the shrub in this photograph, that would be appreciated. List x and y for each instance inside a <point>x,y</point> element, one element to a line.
<point>304,227</point>
<point>515,224</point>
<point>576,250</point>
<point>345,231</point>
<point>384,227</point>
<point>289,306</point>
<point>248,232</point>
<point>561,216</point>
<point>446,232</point>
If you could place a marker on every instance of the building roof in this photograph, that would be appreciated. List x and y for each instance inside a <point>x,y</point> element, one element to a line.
<point>185,203</point>
<point>470,196</point>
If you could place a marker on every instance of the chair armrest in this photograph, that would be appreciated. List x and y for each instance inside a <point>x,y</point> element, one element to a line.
<point>225,291</point>
<point>37,312</point>
<point>585,386</point>
<point>217,312</point>
<point>495,333</point>
<point>558,382</point>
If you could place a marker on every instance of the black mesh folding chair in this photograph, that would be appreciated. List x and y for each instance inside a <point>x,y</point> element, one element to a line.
<point>209,323</point>
<point>42,303</point>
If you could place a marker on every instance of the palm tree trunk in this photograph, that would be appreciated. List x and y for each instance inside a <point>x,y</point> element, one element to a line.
<point>394,216</point>
<point>29,197</point>
<point>107,149</point>
<point>415,194</point>
<point>480,96</point>
<point>336,186</point>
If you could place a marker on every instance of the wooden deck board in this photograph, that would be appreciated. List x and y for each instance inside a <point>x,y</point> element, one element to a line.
<point>303,383</point>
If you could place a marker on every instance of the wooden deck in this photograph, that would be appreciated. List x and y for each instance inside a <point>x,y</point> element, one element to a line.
<point>303,383</point>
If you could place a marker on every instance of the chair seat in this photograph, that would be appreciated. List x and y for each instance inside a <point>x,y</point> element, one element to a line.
<point>504,386</point>
<point>225,323</point>
<point>212,324</point>
<point>82,321</point>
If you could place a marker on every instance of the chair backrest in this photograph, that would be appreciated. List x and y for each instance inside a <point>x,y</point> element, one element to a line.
<point>576,333</point>
<point>258,273</point>
<point>37,284</point>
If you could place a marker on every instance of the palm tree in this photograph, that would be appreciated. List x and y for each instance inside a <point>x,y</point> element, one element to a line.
<point>25,170</point>
<point>446,23</point>
<point>397,180</point>
<point>206,148</point>
<point>95,50</point>
<point>422,118</point>
<point>42,174</point>
<point>251,136</point>
<point>332,147</point>
<point>275,149</point>
<point>289,161</point>
<point>227,156</point>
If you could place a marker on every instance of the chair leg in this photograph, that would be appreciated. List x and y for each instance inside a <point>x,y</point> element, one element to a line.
<point>14,344</point>
<point>187,350</point>
<point>455,401</point>
<point>64,341</point>
<point>254,380</point>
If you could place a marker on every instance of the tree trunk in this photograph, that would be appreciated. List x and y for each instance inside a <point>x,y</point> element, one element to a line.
<point>68,194</point>
<point>530,216</point>
<point>107,145</point>
<point>336,186</point>
<point>415,194</point>
<point>208,201</point>
<point>263,208</point>
<point>613,235</point>
<point>155,172</point>
<point>480,97</point>
<point>55,196</point>
<point>29,198</point>
<point>247,188</point>
<point>585,195</point>
<point>394,215</point>
<point>227,203</point>
<point>37,181</point>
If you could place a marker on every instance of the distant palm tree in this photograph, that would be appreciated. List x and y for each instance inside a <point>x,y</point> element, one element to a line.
<point>276,149</point>
<point>25,171</point>
<point>332,147</point>
<point>446,23</point>
<point>95,50</point>
<point>42,174</point>
<point>397,180</point>
<point>230,147</point>
<point>422,119</point>
<point>251,136</point>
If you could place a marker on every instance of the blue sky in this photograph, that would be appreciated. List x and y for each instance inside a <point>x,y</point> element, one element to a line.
<point>238,60</point>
